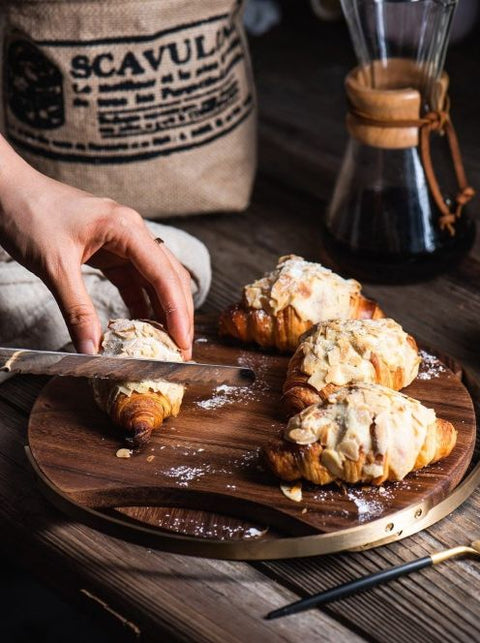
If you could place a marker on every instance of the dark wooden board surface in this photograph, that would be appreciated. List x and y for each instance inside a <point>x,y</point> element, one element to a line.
<point>209,457</point>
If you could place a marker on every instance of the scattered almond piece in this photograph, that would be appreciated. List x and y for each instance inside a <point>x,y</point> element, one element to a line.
<point>292,492</point>
<point>304,510</point>
<point>123,453</point>
<point>150,458</point>
<point>342,486</point>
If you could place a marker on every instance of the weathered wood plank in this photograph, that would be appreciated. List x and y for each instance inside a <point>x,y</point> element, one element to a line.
<point>435,604</point>
<point>20,392</point>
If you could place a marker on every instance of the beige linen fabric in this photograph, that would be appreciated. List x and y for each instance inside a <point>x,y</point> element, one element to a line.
<point>30,317</point>
<point>149,102</point>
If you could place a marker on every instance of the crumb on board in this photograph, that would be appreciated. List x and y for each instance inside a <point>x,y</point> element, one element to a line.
<point>292,491</point>
<point>124,453</point>
<point>150,458</point>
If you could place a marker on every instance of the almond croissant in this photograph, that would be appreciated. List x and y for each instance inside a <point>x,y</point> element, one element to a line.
<point>364,433</point>
<point>278,308</point>
<point>347,351</point>
<point>138,407</point>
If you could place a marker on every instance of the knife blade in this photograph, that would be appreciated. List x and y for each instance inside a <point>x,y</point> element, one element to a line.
<point>36,362</point>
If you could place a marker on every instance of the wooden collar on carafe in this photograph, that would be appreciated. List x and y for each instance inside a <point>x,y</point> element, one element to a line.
<point>389,118</point>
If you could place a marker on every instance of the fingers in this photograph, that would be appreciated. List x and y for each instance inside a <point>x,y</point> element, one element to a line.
<point>164,274</point>
<point>77,308</point>
<point>184,278</point>
<point>139,296</point>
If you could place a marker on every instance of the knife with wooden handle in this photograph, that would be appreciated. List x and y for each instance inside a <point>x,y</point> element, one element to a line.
<point>19,360</point>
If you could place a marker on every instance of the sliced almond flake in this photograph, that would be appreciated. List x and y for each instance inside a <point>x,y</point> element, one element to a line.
<point>124,453</point>
<point>150,458</point>
<point>292,492</point>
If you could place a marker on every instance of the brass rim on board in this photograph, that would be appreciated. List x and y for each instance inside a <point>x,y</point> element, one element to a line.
<point>378,532</point>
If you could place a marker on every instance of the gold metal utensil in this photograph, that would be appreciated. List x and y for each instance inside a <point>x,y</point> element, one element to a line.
<point>374,579</point>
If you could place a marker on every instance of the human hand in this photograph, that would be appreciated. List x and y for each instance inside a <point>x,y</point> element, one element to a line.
<point>52,229</point>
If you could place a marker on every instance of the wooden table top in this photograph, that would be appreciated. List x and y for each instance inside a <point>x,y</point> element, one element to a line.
<point>147,594</point>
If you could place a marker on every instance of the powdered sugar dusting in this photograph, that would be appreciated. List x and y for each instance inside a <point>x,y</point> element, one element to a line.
<point>261,364</point>
<point>184,474</point>
<point>222,395</point>
<point>253,532</point>
<point>430,366</point>
<point>211,528</point>
<point>370,502</point>
<point>366,508</point>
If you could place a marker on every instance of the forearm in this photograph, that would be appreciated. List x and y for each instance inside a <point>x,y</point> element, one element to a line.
<point>19,189</point>
<point>11,166</point>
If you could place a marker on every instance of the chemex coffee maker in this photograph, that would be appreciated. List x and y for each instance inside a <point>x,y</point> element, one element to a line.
<point>398,208</point>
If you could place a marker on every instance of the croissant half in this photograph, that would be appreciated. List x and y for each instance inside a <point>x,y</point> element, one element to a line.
<point>138,408</point>
<point>277,309</point>
<point>366,433</point>
<point>340,352</point>
<point>141,413</point>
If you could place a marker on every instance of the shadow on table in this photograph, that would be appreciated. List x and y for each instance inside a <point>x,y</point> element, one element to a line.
<point>31,613</point>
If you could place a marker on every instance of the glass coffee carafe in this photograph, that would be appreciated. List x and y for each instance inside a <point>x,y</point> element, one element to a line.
<point>397,212</point>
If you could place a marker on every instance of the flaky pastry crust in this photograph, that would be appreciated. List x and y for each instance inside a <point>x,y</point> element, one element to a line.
<point>138,408</point>
<point>276,310</point>
<point>360,434</point>
<point>340,352</point>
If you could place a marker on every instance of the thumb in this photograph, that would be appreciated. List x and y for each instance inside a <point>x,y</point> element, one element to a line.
<point>78,310</point>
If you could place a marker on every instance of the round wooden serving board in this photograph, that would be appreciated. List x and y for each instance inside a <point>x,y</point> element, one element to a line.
<point>202,473</point>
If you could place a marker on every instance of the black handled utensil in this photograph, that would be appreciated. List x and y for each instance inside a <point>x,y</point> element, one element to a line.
<point>373,579</point>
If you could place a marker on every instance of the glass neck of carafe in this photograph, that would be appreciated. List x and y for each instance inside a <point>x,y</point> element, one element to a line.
<point>401,43</point>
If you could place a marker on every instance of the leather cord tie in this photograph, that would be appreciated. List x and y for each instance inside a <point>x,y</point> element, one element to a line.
<point>435,121</point>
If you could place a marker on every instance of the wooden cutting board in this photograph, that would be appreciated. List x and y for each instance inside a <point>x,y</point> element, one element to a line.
<point>202,473</point>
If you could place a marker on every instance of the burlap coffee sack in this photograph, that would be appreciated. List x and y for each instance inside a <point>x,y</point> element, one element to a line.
<point>149,102</point>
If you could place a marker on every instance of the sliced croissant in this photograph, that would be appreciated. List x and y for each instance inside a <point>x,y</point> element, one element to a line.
<point>346,351</point>
<point>364,433</point>
<point>278,308</point>
<point>138,407</point>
